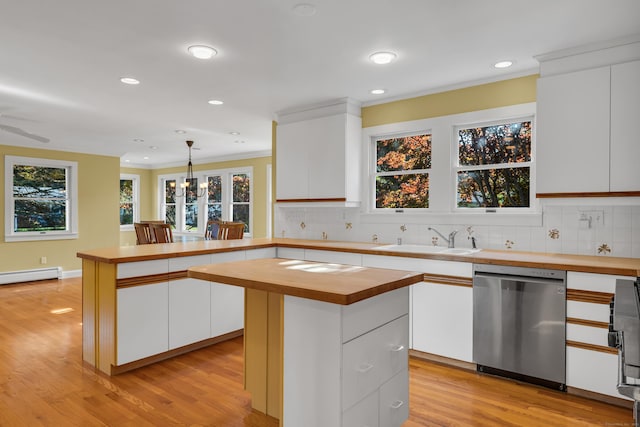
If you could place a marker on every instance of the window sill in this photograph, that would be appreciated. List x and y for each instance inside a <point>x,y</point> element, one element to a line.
<point>455,218</point>
<point>39,237</point>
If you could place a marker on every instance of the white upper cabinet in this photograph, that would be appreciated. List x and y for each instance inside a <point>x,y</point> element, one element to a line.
<point>318,154</point>
<point>572,140</point>
<point>587,103</point>
<point>625,113</point>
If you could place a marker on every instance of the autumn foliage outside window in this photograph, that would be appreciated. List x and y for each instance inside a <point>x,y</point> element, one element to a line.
<point>402,172</point>
<point>494,166</point>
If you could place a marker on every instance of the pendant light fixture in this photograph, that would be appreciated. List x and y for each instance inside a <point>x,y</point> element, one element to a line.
<point>188,185</point>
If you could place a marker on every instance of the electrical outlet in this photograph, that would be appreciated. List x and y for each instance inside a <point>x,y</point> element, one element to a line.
<point>43,260</point>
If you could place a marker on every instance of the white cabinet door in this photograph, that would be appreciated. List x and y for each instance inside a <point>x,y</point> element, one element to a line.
<point>394,400</point>
<point>189,311</point>
<point>592,370</point>
<point>572,138</point>
<point>227,301</point>
<point>443,320</point>
<point>143,321</point>
<point>326,168</point>
<point>625,112</point>
<point>292,161</point>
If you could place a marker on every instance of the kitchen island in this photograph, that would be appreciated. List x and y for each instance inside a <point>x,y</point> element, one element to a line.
<point>325,344</point>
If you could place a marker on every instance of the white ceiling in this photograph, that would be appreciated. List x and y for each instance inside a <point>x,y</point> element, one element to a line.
<point>61,61</point>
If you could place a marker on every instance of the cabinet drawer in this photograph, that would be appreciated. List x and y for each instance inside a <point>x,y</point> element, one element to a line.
<point>446,268</point>
<point>593,282</point>
<point>588,311</point>
<point>261,253</point>
<point>587,334</point>
<point>372,359</point>
<point>183,263</point>
<point>290,253</point>
<point>142,268</point>
<point>333,257</point>
<point>393,347</point>
<point>360,368</point>
<point>394,400</point>
<point>363,414</point>
<point>370,313</point>
<point>582,372</point>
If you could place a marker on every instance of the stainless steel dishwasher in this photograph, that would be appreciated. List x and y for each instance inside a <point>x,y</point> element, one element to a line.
<point>519,323</point>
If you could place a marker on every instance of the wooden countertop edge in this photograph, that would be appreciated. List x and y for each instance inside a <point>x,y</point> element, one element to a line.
<point>581,263</point>
<point>330,297</point>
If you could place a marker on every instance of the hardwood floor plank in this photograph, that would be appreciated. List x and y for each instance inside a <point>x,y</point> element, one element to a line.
<point>43,381</point>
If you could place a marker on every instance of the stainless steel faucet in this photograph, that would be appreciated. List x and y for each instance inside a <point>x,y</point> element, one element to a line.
<point>451,242</point>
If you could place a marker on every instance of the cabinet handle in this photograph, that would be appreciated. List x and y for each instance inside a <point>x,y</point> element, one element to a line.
<point>365,368</point>
<point>397,348</point>
<point>397,404</point>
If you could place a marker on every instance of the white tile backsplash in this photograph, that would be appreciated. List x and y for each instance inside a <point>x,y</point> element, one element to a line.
<point>619,231</point>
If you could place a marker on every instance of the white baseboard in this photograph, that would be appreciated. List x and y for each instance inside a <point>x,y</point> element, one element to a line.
<point>7,277</point>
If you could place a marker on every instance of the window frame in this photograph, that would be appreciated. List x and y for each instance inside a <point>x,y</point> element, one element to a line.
<point>441,204</point>
<point>71,231</point>
<point>227,196</point>
<point>373,173</point>
<point>136,199</point>
<point>456,167</point>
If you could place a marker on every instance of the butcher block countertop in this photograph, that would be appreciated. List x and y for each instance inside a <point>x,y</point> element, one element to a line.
<point>582,263</point>
<point>333,283</point>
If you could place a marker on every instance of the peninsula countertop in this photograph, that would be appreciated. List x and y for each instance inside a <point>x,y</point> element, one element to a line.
<point>333,283</point>
<point>582,263</point>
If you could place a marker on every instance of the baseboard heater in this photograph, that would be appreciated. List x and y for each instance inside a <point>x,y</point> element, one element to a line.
<point>7,277</point>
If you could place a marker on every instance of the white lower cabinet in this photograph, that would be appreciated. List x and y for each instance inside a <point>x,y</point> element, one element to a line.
<point>361,380</point>
<point>189,311</point>
<point>142,321</point>
<point>593,371</point>
<point>227,309</point>
<point>394,400</point>
<point>443,320</point>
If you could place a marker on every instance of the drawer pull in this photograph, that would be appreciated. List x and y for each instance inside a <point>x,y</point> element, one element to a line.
<point>363,369</point>
<point>397,404</point>
<point>397,348</point>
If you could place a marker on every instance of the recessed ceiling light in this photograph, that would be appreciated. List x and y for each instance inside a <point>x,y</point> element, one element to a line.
<point>503,64</point>
<point>180,131</point>
<point>237,141</point>
<point>234,133</point>
<point>138,140</point>
<point>377,91</point>
<point>129,80</point>
<point>202,52</point>
<point>382,57</point>
<point>215,102</point>
<point>304,9</point>
<point>146,157</point>
<point>153,147</point>
<point>127,161</point>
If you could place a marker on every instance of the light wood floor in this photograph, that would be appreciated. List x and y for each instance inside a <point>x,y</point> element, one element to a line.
<point>44,382</point>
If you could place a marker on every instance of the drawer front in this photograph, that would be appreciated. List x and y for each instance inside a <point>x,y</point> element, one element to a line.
<point>333,257</point>
<point>587,334</point>
<point>360,368</point>
<point>394,400</point>
<point>593,282</point>
<point>183,263</point>
<point>447,268</point>
<point>290,253</point>
<point>261,253</point>
<point>228,257</point>
<point>592,370</point>
<point>588,311</point>
<point>393,347</point>
<point>368,314</point>
<point>142,268</point>
<point>363,414</point>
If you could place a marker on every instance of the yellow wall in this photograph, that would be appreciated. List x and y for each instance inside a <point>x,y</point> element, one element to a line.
<point>97,213</point>
<point>147,210</point>
<point>259,177</point>
<point>474,98</point>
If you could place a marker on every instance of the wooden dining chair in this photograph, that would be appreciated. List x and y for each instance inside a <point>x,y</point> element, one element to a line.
<point>211,230</point>
<point>144,235</point>
<point>162,233</point>
<point>230,230</point>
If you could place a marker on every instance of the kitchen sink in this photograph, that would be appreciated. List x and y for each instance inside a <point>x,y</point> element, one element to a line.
<point>426,249</point>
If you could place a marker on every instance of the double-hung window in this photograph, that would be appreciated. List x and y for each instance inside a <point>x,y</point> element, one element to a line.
<point>402,166</point>
<point>40,199</point>
<point>227,197</point>
<point>494,165</point>
<point>129,200</point>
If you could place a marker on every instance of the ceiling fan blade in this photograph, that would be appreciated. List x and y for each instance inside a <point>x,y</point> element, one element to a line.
<point>18,131</point>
